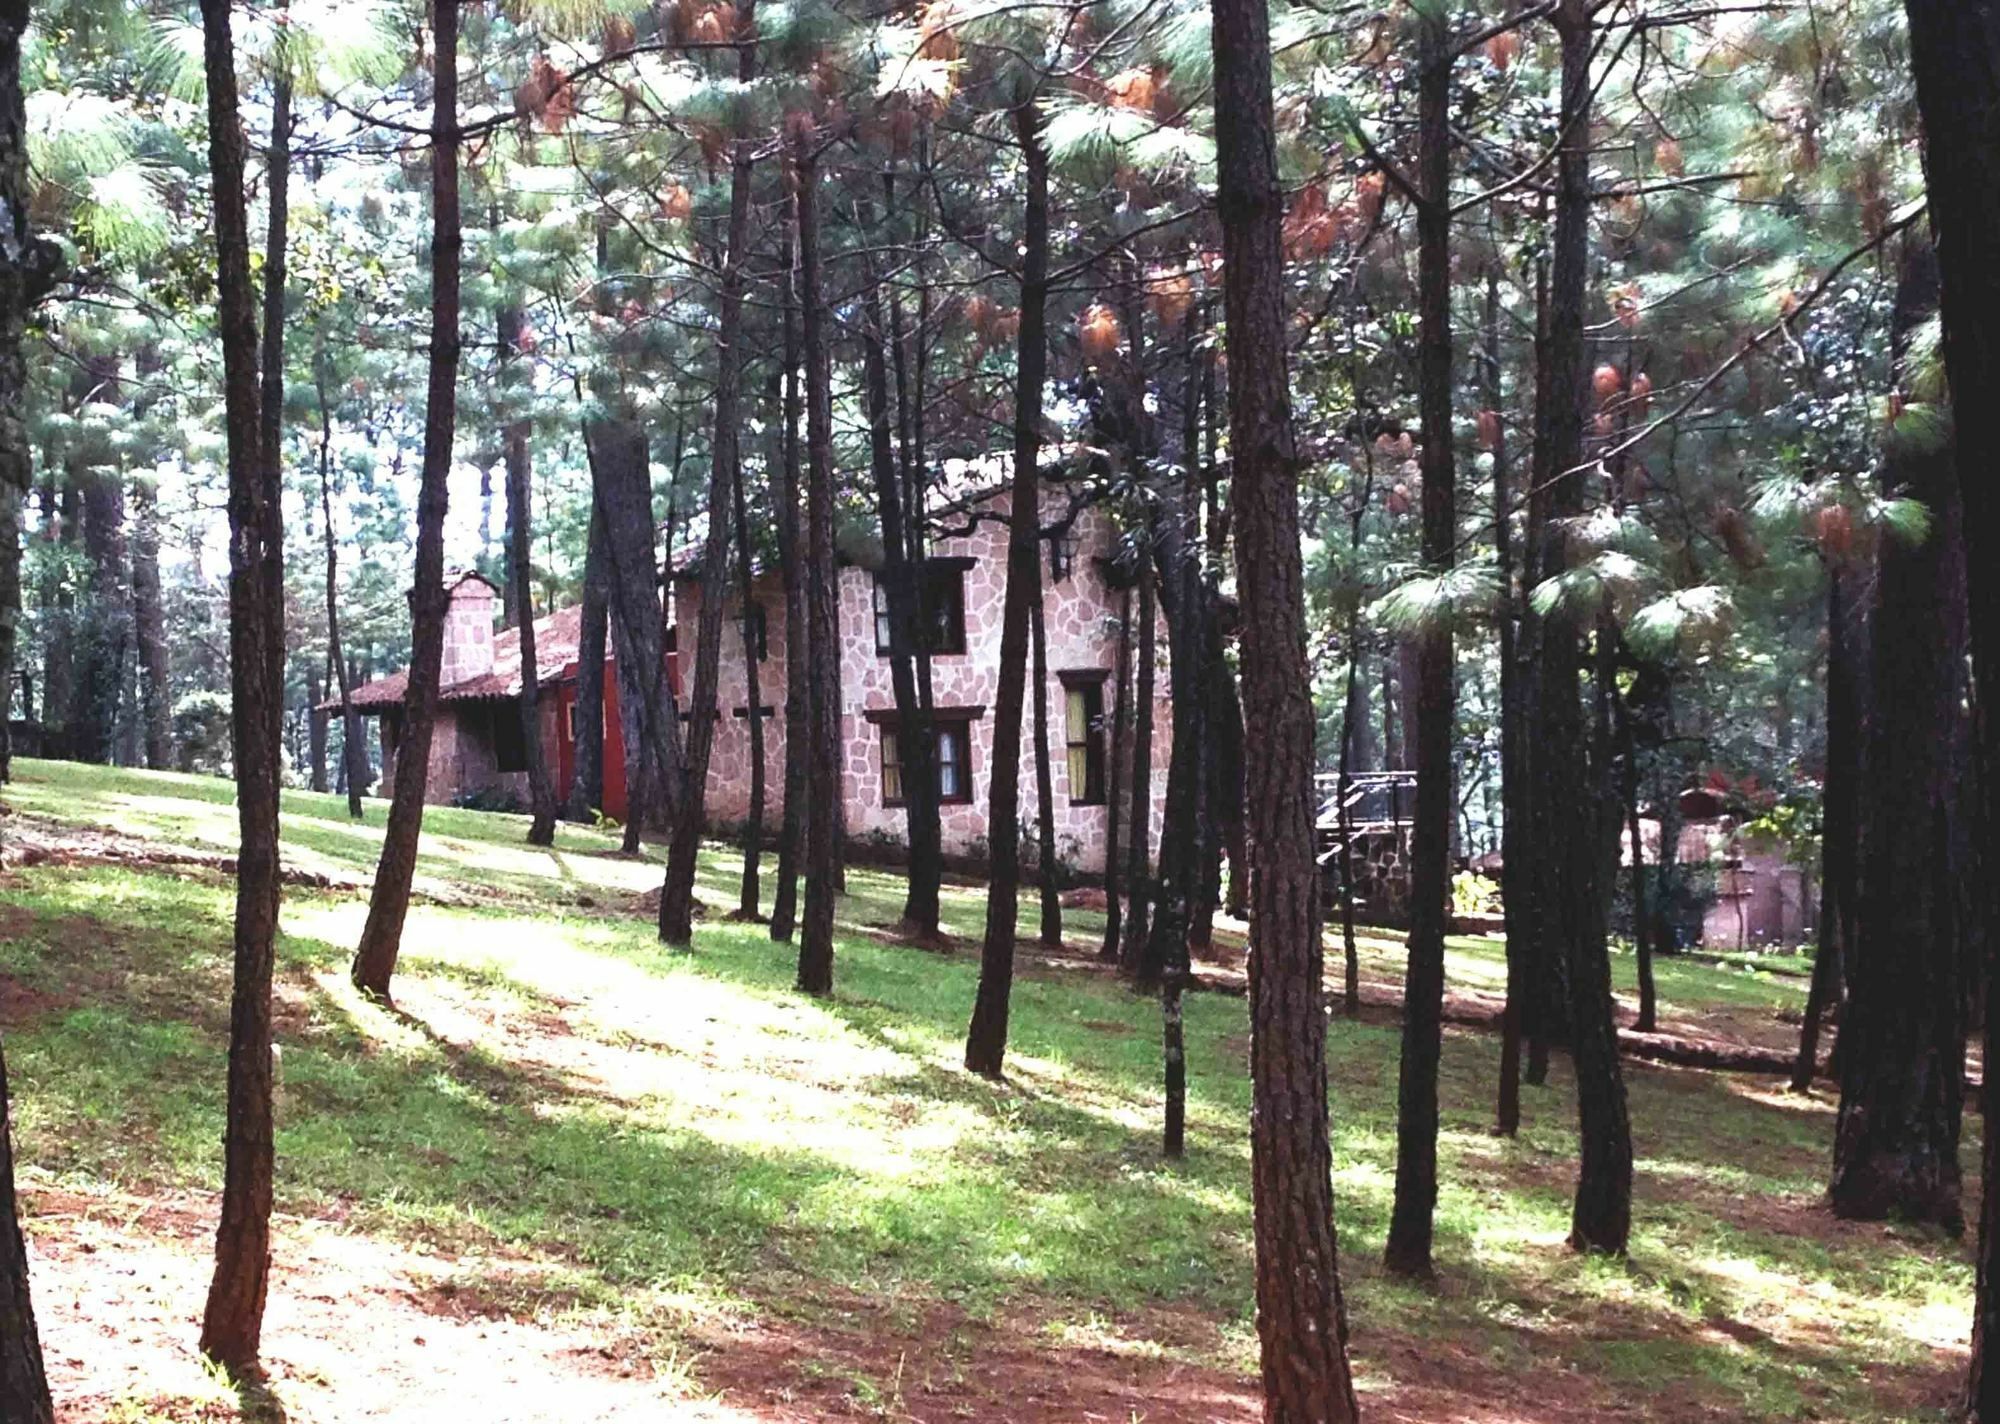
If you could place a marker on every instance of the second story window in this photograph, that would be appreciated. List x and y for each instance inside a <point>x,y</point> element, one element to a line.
<point>1062,557</point>
<point>885,626</point>
<point>944,609</point>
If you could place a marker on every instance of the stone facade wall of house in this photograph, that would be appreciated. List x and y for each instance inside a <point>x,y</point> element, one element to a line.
<point>1080,618</point>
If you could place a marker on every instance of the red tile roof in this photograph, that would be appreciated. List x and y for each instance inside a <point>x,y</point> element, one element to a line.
<point>555,653</point>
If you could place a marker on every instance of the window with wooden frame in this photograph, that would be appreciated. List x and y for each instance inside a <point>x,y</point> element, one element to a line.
<point>1084,734</point>
<point>952,728</point>
<point>944,602</point>
<point>954,757</point>
<point>892,768</point>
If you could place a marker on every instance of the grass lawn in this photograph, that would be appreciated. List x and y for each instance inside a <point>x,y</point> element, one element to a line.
<point>575,1176</point>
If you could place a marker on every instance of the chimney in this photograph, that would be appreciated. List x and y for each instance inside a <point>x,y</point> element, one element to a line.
<point>468,628</point>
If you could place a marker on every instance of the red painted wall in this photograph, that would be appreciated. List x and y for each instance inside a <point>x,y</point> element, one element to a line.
<point>615,805</point>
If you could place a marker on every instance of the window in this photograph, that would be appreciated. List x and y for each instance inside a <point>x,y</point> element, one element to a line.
<point>510,748</point>
<point>885,626</point>
<point>952,728</point>
<point>569,721</point>
<point>760,632</point>
<point>1062,557</point>
<point>1083,698</point>
<point>892,770</point>
<point>954,745</point>
<point>944,601</point>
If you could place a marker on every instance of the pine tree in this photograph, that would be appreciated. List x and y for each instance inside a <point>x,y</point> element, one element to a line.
<point>232,1324</point>
<point>389,902</point>
<point>1301,1319</point>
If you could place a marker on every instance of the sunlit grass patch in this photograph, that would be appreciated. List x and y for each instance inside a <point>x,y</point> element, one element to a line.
<point>603,1134</point>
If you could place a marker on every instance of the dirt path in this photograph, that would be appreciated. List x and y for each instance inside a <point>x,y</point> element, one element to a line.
<point>359,1331</point>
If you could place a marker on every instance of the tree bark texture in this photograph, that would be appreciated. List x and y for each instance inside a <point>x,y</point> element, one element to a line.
<point>822,857</point>
<point>1049,881</point>
<point>1896,1138</point>
<point>389,904</point>
<point>792,569</point>
<point>586,787</point>
<point>150,627</point>
<point>902,576</point>
<point>233,1320</point>
<point>1408,1251</point>
<point>986,1038</point>
<point>1570,812</point>
<point>1301,1319</point>
<point>1956,48</point>
<point>24,1387</point>
<point>676,923</point>
<point>1121,697</point>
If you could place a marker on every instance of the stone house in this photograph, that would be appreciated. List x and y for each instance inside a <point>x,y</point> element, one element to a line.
<point>477,745</point>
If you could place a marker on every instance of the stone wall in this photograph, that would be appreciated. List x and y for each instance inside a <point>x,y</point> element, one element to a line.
<point>1381,878</point>
<point>468,631</point>
<point>1080,618</point>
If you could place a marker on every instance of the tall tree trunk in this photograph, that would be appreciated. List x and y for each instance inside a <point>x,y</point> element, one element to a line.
<point>1121,698</point>
<point>62,509</point>
<point>823,729</point>
<point>1138,860</point>
<point>725,471</point>
<point>900,494</point>
<point>1956,48</point>
<point>1408,1251</point>
<point>1628,813</point>
<point>24,1388</point>
<point>1642,927</point>
<point>316,728</point>
<point>520,577</point>
<point>986,1038</point>
<point>150,628</point>
<point>1350,729</point>
<point>353,740</point>
<point>1570,833</point>
<point>233,1321</point>
<point>1840,812</point>
<point>106,635</point>
<point>1895,1149</point>
<point>1176,543</point>
<point>1513,727</point>
<point>791,568</point>
<point>1225,796</point>
<point>1528,886</point>
<point>1049,881</point>
<point>17,251</point>
<point>903,577</point>
<point>1301,1319</point>
<point>382,936</point>
<point>586,788</point>
<point>622,490</point>
<point>750,896</point>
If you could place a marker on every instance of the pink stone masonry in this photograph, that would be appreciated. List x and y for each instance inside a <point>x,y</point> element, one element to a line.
<point>1080,618</point>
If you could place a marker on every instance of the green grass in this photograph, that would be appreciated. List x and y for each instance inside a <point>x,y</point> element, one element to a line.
<point>680,1138</point>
